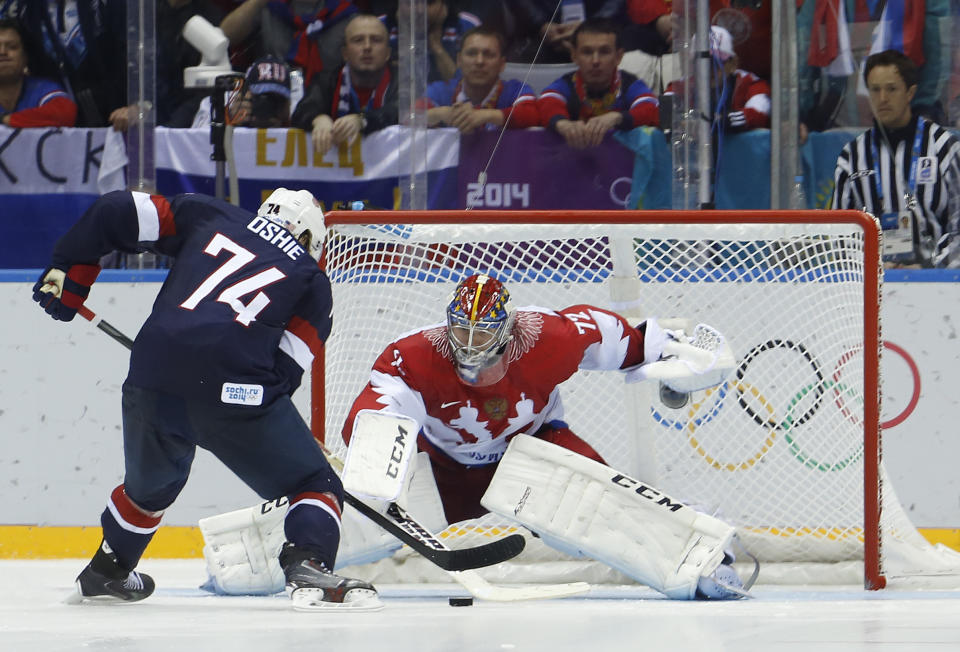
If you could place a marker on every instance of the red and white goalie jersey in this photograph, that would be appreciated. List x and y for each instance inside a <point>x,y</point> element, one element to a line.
<point>415,377</point>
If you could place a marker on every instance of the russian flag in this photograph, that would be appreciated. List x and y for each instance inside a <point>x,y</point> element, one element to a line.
<point>901,28</point>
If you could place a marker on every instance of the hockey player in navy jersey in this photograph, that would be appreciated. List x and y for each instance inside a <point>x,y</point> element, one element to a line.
<point>214,366</point>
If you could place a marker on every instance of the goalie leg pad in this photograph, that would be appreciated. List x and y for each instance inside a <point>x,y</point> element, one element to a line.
<point>241,549</point>
<point>610,517</point>
<point>363,541</point>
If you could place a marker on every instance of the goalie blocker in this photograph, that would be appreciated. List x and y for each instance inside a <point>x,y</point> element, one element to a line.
<point>582,507</point>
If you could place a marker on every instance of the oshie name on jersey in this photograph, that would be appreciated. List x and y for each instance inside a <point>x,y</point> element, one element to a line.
<point>276,235</point>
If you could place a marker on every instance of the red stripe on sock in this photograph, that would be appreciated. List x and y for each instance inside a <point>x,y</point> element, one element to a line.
<point>130,512</point>
<point>326,499</point>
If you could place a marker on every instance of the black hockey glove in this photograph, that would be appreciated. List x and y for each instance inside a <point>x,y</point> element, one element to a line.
<point>62,292</point>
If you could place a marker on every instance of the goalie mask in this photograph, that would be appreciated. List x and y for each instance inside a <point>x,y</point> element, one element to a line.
<point>299,213</point>
<point>479,328</point>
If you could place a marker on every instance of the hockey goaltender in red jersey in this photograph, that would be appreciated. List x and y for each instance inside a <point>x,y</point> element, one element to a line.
<point>481,392</point>
<point>489,377</point>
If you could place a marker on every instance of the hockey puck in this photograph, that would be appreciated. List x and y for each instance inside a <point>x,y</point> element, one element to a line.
<point>672,398</point>
<point>461,602</point>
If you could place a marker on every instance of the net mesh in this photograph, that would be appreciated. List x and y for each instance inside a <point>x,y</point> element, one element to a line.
<point>777,450</point>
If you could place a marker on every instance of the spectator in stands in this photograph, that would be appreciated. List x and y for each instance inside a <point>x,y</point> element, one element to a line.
<point>359,97</point>
<point>478,98</point>
<point>739,99</point>
<point>496,14</point>
<point>175,104</point>
<point>265,100</point>
<point>309,34</point>
<point>242,25</point>
<point>651,26</point>
<point>750,23</point>
<point>583,105</point>
<point>25,100</point>
<point>268,94</point>
<point>825,61</point>
<point>84,47</point>
<point>648,41</point>
<point>553,25</point>
<point>906,169</point>
<point>445,28</point>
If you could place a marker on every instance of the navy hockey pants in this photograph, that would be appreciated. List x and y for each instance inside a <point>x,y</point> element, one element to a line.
<point>270,448</point>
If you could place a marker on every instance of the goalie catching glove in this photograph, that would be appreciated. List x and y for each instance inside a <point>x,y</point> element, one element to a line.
<point>686,358</point>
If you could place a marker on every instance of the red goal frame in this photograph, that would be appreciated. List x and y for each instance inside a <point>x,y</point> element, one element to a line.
<point>873,572</point>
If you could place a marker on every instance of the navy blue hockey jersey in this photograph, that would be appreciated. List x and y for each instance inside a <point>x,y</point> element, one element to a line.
<point>241,307</point>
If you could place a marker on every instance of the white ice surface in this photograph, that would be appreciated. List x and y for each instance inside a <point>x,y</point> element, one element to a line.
<point>181,618</point>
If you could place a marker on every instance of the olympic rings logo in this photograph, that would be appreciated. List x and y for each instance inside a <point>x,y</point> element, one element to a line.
<point>801,408</point>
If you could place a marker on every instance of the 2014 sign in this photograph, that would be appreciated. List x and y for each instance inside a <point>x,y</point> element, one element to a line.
<point>498,195</point>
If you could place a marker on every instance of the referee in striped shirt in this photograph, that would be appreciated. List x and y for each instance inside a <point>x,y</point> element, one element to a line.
<point>905,170</point>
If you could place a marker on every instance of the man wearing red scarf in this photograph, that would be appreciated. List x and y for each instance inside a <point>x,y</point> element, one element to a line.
<point>359,97</point>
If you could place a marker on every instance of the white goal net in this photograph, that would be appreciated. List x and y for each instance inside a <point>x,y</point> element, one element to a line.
<point>781,449</point>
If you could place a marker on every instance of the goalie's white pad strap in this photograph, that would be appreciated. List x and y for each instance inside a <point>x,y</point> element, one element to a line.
<point>580,504</point>
<point>241,549</point>
<point>379,455</point>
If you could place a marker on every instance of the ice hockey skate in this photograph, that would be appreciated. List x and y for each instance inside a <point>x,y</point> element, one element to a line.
<point>103,580</point>
<point>312,587</point>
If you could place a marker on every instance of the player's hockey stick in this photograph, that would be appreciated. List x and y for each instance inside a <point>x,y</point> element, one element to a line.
<point>471,580</point>
<point>397,522</point>
<point>400,524</point>
<point>110,330</point>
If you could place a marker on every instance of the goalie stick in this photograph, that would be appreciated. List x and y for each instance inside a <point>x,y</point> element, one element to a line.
<point>397,522</point>
<point>471,580</point>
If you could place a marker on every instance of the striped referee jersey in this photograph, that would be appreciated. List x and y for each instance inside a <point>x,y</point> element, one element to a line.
<point>862,184</point>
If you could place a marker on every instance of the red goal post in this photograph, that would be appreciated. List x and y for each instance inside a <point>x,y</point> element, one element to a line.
<point>788,449</point>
